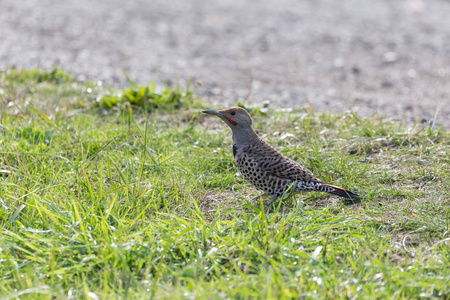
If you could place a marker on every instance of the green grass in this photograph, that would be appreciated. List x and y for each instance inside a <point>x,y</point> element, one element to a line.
<point>140,202</point>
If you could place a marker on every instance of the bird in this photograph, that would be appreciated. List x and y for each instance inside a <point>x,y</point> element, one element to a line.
<point>265,167</point>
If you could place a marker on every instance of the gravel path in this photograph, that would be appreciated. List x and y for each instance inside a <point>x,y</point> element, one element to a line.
<point>390,56</point>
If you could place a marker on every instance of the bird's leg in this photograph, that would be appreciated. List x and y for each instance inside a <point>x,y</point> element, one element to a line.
<point>269,206</point>
<point>272,200</point>
<point>286,193</point>
<point>259,196</point>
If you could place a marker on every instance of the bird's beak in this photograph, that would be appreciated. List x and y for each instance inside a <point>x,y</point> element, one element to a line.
<point>213,112</point>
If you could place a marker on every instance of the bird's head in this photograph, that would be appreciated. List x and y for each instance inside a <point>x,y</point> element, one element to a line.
<point>235,117</point>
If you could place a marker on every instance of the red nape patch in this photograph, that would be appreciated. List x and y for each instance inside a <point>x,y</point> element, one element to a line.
<point>232,121</point>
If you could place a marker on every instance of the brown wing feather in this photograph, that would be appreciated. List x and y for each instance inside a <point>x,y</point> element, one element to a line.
<point>272,161</point>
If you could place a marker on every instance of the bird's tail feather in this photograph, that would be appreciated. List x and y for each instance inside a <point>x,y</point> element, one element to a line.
<point>335,190</point>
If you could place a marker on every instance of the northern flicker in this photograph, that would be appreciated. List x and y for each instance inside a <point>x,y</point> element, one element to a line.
<point>265,167</point>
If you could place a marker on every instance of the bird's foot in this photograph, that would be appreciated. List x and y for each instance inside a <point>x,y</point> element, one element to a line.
<point>269,206</point>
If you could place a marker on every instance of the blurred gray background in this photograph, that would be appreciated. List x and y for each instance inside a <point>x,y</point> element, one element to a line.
<point>390,56</point>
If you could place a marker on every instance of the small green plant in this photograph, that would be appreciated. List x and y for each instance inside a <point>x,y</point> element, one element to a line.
<point>147,98</point>
<point>35,135</point>
<point>56,75</point>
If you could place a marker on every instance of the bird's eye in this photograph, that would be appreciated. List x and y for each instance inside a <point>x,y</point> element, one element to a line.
<point>233,113</point>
